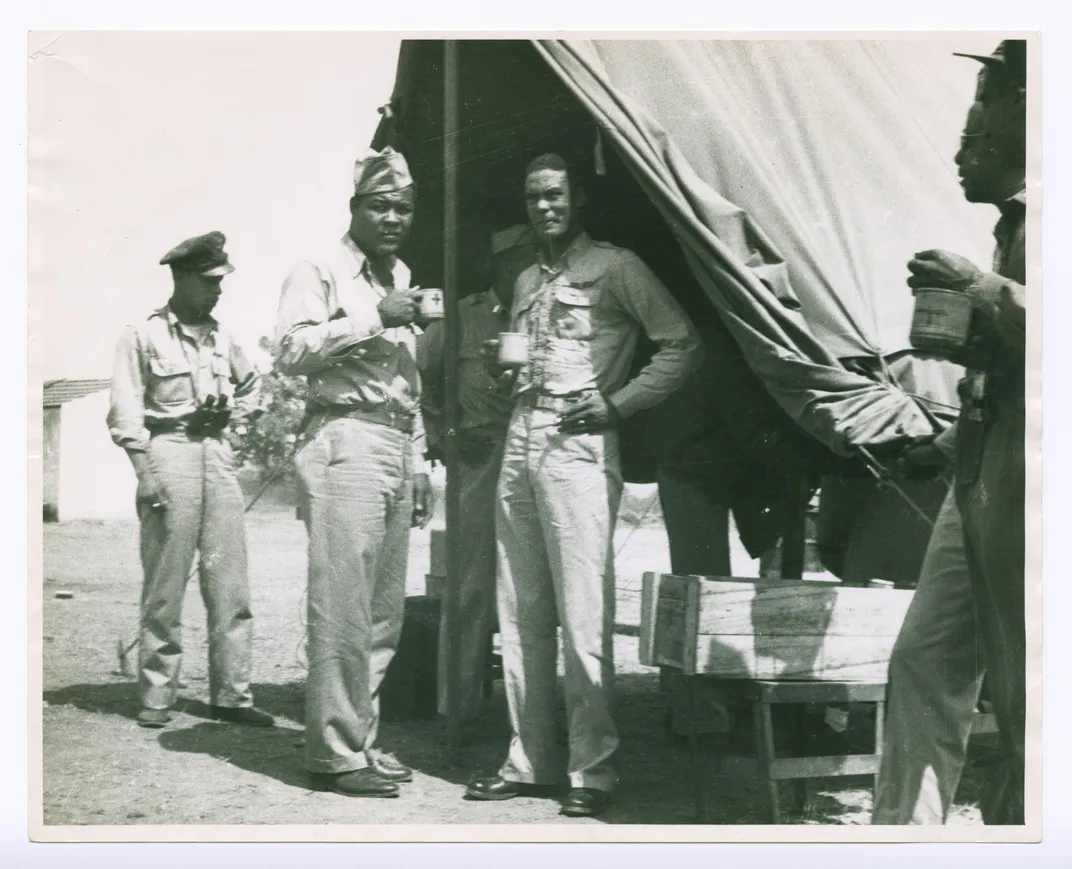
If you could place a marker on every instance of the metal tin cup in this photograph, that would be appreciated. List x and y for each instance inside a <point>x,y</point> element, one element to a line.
<point>941,321</point>
<point>513,348</point>
<point>432,304</point>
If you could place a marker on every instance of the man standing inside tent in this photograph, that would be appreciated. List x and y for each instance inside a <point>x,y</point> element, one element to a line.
<point>583,307</point>
<point>934,671</point>
<point>486,407</point>
<point>180,384</point>
<point>346,322</point>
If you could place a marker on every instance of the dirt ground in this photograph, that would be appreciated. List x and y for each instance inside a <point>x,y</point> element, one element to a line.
<point>101,768</point>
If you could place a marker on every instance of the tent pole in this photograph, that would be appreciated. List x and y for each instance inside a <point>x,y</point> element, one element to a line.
<point>453,335</point>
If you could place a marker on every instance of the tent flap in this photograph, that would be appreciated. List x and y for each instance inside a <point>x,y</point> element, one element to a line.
<point>794,323</point>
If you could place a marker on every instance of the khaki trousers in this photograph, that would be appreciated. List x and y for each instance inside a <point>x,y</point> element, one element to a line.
<point>356,490</point>
<point>557,506</point>
<point>476,592</point>
<point>204,512</point>
<point>967,615</point>
<point>935,675</point>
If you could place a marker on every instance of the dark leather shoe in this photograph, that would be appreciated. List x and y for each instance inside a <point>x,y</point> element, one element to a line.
<point>585,803</point>
<point>357,783</point>
<point>243,715</point>
<point>388,767</point>
<point>154,718</point>
<point>495,787</point>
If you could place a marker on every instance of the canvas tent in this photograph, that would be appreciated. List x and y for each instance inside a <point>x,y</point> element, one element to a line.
<point>778,188</point>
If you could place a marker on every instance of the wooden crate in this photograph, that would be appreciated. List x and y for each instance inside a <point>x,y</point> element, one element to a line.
<point>769,629</point>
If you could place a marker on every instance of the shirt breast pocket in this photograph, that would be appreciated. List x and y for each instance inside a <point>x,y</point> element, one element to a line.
<point>573,314</point>
<point>172,381</point>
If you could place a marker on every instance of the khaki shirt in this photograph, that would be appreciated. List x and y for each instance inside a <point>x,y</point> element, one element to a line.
<point>163,373</point>
<point>584,314</point>
<point>329,329</point>
<point>485,405</point>
<point>1000,299</point>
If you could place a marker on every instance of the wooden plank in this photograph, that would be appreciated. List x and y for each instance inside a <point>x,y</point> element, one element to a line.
<point>785,768</point>
<point>670,621</point>
<point>692,623</point>
<point>780,608</point>
<point>847,659</point>
<point>823,692</point>
<point>745,628</point>
<point>824,767</point>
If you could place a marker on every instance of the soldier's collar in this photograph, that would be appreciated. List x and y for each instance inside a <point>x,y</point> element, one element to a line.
<point>175,324</point>
<point>359,261</point>
<point>1012,211</point>
<point>575,248</point>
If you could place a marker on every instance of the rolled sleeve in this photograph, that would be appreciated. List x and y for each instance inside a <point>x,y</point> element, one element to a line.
<point>1002,302</point>
<point>946,442</point>
<point>645,298</point>
<point>307,333</point>
<point>126,410</point>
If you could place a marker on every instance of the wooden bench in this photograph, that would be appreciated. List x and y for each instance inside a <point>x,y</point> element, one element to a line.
<point>765,765</point>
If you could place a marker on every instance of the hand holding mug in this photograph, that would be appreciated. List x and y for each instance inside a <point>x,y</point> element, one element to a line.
<point>489,355</point>
<point>399,308</point>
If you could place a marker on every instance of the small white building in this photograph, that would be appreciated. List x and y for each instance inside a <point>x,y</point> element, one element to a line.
<point>85,475</point>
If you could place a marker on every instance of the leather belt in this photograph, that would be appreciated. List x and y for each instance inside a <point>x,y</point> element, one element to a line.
<point>166,426</point>
<point>556,403</point>
<point>401,421</point>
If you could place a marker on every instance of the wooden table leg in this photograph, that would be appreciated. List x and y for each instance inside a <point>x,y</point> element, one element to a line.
<point>800,785</point>
<point>765,754</point>
<point>694,752</point>
<point>880,739</point>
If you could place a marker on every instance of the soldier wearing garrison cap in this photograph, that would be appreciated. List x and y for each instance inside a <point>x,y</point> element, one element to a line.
<point>181,387</point>
<point>346,321</point>
<point>967,614</point>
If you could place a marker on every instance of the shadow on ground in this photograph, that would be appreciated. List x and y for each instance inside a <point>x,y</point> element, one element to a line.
<point>655,767</point>
<point>119,697</point>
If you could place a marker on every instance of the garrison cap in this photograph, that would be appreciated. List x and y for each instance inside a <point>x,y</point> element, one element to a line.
<point>203,255</point>
<point>1010,56</point>
<point>383,171</point>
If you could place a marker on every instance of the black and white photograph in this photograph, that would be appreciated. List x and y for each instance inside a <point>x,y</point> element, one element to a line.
<point>560,435</point>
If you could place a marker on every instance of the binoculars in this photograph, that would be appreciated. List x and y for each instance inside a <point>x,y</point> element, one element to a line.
<point>210,419</point>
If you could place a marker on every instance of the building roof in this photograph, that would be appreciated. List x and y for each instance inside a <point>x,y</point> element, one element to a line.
<point>59,392</point>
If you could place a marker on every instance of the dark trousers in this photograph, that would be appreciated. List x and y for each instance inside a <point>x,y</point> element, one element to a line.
<point>990,495</point>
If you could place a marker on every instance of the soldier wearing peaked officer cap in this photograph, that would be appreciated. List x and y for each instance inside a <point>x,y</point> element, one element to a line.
<point>203,255</point>
<point>181,388</point>
<point>346,322</point>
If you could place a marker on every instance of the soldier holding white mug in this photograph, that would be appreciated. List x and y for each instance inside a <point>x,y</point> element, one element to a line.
<point>583,305</point>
